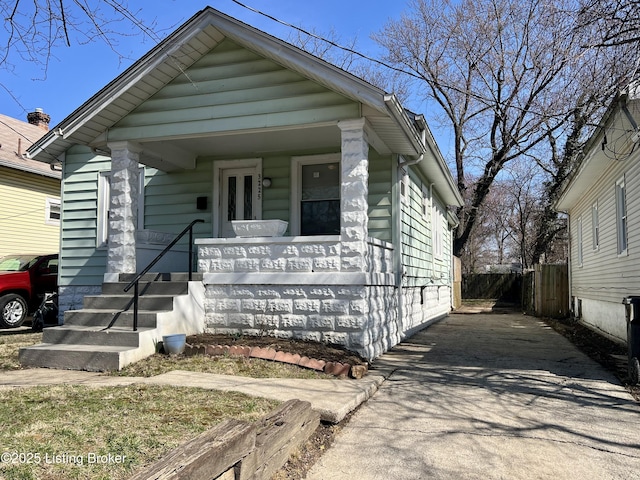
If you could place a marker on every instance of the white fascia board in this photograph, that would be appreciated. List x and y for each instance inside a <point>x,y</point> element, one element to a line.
<point>121,84</point>
<point>439,172</point>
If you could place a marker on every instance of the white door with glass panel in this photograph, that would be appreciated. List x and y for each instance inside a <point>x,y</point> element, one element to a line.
<point>239,198</point>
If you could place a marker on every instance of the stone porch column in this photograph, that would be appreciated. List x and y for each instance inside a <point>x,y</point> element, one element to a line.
<point>354,202</point>
<point>123,207</point>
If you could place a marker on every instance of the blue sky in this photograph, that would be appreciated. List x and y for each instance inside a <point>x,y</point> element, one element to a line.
<point>77,72</point>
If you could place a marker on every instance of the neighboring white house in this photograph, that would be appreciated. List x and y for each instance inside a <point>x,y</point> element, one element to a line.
<point>602,200</point>
<point>224,122</point>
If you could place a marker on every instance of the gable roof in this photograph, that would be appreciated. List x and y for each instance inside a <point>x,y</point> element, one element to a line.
<point>618,133</point>
<point>15,137</point>
<point>393,130</point>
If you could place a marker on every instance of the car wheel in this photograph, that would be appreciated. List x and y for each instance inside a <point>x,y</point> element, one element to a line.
<point>634,371</point>
<point>13,311</point>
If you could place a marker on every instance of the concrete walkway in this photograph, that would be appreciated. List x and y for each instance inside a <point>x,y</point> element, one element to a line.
<point>333,398</point>
<point>489,396</point>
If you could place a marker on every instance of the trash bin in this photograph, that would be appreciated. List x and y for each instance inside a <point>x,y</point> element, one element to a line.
<point>633,337</point>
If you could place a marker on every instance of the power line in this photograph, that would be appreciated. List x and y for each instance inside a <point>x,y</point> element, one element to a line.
<point>330,42</point>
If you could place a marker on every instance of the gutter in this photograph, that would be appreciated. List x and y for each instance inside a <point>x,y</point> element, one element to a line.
<point>25,168</point>
<point>421,140</point>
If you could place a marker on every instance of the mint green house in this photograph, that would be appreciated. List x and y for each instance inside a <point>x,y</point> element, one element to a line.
<point>324,203</point>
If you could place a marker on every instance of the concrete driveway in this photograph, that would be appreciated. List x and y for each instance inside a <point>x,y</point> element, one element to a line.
<point>489,396</point>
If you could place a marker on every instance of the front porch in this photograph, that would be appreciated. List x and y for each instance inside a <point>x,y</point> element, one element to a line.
<point>312,288</point>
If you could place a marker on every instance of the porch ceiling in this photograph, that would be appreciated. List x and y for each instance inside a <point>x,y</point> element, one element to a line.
<point>163,154</point>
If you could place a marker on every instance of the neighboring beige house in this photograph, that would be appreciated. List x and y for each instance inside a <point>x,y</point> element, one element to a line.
<point>29,190</point>
<point>602,201</point>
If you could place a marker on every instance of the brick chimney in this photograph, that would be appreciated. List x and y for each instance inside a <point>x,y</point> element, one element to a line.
<point>39,119</point>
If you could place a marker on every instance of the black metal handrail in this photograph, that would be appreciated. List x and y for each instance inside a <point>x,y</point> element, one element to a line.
<point>134,283</point>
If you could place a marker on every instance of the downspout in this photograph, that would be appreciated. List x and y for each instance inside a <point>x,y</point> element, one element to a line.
<point>423,136</point>
<point>569,265</point>
<point>398,228</point>
<point>433,256</point>
<point>397,241</point>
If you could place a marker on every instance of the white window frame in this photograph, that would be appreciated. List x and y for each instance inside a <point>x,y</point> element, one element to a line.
<point>296,183</point>
<point>104,203</point>
<point>579,241</point>
<point>436,226</point>
<point>595,226</point>
<point>51,204</point>
<point>426,201</point>
<point>404,186</point>
<point>622,227</point>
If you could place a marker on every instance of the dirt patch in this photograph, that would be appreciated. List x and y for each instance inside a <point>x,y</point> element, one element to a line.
<point>318,350</point>
<point>305,457</point>
<point>611,355</point>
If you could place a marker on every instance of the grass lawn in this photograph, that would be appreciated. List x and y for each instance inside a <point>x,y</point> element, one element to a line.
<point>68,432</point>
<point>63,431</point>
<point>10,343</point>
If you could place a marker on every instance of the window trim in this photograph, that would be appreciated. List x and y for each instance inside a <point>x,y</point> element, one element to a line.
<point>580,242</point>
<point>49,203</point>
<point>595,226</point>
<point>296,183</point>
<point>438,231</point>
<point>104,201</point>
<point>622,225</point>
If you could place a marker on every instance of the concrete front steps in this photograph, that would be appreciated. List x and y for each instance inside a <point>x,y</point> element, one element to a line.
<point>168,304</point>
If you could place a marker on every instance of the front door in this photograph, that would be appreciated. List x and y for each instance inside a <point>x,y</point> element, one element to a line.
<point>239,198</point>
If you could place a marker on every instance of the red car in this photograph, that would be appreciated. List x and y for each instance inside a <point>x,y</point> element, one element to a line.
<point>24,279</point>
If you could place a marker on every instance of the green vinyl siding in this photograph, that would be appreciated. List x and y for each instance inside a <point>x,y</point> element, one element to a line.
<point>276,202</point>
<point>423,265</point>
<point>81,263</point>
<point>170,199</point>
<point>230,89</point>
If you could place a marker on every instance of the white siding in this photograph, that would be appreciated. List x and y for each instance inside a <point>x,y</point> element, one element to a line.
<point>604,274</point>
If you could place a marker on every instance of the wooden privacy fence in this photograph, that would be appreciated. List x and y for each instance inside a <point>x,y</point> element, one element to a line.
<point>545,291</point>
<point>504,287</point>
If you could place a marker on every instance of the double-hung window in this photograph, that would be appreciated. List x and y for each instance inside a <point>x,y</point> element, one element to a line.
<point>621,216</point>
<point>579,242</point>
<point>595,225</point>
<point>52,211</point>
<point>316,195</point>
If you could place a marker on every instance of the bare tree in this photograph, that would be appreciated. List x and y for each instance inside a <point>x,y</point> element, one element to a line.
<point>32,31</point>
<point>344,54</point>
<point>509,76</point>
<point>612,22</point>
